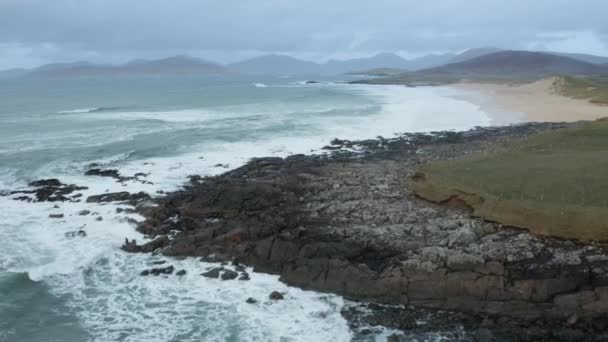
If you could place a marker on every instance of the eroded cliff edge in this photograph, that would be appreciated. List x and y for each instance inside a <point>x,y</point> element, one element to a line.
<point>348,223</point>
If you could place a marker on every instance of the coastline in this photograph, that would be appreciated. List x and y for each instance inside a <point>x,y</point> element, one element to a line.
<point>348,223</point>
<point>535,102</point>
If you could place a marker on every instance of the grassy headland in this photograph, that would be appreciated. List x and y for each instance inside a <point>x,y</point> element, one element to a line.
<point>552,183</point>
<point>594,89</point>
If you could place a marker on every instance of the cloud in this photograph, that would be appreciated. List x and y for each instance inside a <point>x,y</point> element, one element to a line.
<point>230,29</point>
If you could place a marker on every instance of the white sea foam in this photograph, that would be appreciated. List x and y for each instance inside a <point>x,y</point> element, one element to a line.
<point>260,85</point>
<point>79,110</point>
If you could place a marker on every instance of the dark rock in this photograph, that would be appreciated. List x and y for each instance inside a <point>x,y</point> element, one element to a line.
<point>99,218</point>
<point>46,183</point>
<point>275,295</point>
<point>144,273</point>
<point>103,173</point>
<point>251,301</point>
<point>84,212</point>
<point>484,335</point>
<point>347,222</point>
<point>162,270</point>
<point>244,276</point>
<point>56,215</point>
<point>181,273</point>
<point>214,273</point>
<point>133,247</point>
<point>229,275</point>
<point>118,197</point>
<point>72,234</point>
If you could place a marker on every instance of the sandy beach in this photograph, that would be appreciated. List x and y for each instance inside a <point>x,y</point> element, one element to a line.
<point>536,101</point>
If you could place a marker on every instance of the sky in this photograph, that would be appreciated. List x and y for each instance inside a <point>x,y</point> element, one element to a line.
<point>35,32</point>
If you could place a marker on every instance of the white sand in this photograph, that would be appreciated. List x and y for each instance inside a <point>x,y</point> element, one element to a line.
<point>538,101</point>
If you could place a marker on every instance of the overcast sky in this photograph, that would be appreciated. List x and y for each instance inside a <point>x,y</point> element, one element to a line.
<point>34,32</point>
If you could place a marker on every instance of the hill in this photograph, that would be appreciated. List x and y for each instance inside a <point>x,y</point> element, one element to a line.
<point>473,53</point>
<point>585,57</point>
<point>511,66</point>
<point>275,64</point>
<point>380,72</point>
<point>178,65</point>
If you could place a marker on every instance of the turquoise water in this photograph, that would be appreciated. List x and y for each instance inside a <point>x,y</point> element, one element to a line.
<point>54,287</point>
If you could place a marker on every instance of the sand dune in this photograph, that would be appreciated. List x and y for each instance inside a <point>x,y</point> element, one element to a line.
<point>538,101</point>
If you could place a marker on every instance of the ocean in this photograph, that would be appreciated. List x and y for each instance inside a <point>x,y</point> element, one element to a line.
<point>58,287</point>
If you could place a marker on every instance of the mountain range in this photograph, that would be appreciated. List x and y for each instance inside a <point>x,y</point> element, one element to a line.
<point>286,65</point>
<point>178,65</point>
<point>503,65</point>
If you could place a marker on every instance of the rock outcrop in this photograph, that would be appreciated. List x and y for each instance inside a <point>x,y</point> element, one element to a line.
<point>348,223</point>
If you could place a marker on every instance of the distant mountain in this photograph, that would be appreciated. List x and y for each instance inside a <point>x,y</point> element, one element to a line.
<point>503,65</point>
<point>275,64</point>
<point>381,60</point>
<point>506,63</point>
<point>377,72</point>
<point>178,65</point>
<point>285,65</point>
<point>473,53</point>
<point>12,73</point>
<point>585,58</point>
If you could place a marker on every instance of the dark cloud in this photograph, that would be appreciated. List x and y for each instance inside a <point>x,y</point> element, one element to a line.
<point>42,30</point>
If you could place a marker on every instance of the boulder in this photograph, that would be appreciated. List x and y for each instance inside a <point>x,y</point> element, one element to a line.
<point>275,295</point>
<point>162,270</point>
<point>213,273</point>
<point>46,182</point>
<point>229,275</point>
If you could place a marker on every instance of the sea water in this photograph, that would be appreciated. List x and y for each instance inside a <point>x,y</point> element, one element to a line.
<point>59,287</point>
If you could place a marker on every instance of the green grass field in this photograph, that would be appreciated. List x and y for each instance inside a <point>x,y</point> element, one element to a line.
<point>553,183</point>
<point>594,89</point>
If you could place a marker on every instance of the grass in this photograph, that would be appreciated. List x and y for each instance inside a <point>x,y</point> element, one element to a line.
<point>594,89</point>
<point>553,183</point>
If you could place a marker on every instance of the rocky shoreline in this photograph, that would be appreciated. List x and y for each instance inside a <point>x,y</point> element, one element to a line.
<point>347,222</point>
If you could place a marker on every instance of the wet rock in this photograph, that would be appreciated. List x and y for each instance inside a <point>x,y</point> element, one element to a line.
<point>99,218</point>
<point>84,212</point>
<point>484,335</point>
<point>133,247</point>
<point>251,301</point>
<point>275,295</point>
<point>118,197</point>
<point>103,173</point>
<point>124,210</point>
<point>46,183</point>
<point>213,273</point>
<point>181,273</point>
<point>144,273</point>
<point>48,190</point>
<point>371,238</point>
<point>244,276</point>
<point>229,275</point>
<point>56,216</point>
<point>77,233</point>
<point>162,270</point>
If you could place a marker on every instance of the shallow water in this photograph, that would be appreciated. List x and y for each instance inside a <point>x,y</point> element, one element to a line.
<point>60,288</point>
